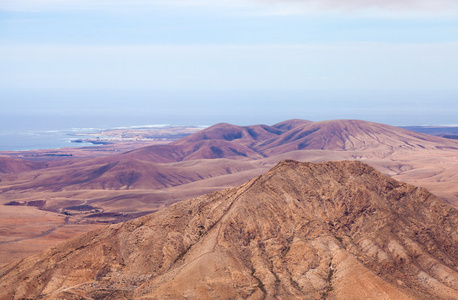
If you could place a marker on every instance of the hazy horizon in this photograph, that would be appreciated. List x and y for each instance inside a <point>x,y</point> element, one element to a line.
<point>66,64</point>
<point>65,109</point>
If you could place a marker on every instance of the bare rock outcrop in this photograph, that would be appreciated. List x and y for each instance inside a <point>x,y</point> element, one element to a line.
<point>334,230</point>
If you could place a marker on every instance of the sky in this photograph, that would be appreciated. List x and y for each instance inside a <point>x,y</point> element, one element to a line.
<point>100,63</point>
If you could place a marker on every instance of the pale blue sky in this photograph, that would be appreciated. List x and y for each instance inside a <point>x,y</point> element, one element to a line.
<point>306,59</point>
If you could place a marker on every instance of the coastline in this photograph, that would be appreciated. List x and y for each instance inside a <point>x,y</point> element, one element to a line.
<point>55,144</point>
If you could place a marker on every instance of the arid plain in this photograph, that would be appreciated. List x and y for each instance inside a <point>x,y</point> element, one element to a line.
<point>45,201</point>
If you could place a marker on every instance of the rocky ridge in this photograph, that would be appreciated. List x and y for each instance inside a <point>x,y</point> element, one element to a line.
<point>334,230</point>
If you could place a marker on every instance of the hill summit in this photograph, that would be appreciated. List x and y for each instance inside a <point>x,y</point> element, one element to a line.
<point>337,230</point>
<point>259,141</point>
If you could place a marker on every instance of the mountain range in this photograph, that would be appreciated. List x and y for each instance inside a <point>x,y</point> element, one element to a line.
<point>150,167</point>
<point>223,150</point>
<point>254,142</point>
<point>78,194</point>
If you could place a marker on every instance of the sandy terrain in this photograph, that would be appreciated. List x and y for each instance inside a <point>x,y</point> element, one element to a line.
<point>25,231</point>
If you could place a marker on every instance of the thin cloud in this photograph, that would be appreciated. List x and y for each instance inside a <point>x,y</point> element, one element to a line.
<point>113,5</point>
<point>396,5</point>
<point>274,7</point>
<point>313,66</point>
<point>390,7</point>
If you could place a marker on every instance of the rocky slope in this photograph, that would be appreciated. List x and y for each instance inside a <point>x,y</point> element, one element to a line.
<point>12,166</point>
<point>335,230</point>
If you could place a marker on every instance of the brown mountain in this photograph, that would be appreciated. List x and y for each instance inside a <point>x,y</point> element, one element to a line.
<point>350,135</point>
<point>335,230</point>
<point>290,124</point>
<point>218,141</point>
<point>254,142</point>
<point>229,132</point>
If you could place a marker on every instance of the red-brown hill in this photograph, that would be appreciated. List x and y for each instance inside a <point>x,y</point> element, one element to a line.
<point>254,142</point>
<point>111,174</point>
<point>229,132</point>
<point>218,141</point>
<point>345,135</point>
<point>10,165</point>
<point>290,124</point>
<point>337,230</point>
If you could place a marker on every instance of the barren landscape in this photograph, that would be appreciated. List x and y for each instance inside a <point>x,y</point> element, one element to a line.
<point>45,201</point>
<point>302,230</point>
<point>253,149</point>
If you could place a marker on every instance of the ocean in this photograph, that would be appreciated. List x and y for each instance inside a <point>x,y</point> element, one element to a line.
<point>48,119</point>
<point>42,139</point>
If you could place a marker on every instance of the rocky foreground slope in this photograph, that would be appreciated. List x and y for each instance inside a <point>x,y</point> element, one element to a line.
<point>335,230</point>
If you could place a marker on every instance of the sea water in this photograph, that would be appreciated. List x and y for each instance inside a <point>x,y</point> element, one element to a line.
<point>17,140</point>
<point>47,119</point>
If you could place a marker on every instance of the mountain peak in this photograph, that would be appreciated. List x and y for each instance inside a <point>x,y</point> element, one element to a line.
<point>344,135</point>
<point>259,141</point>
<point>301,230</point>
<point>290,124</point>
